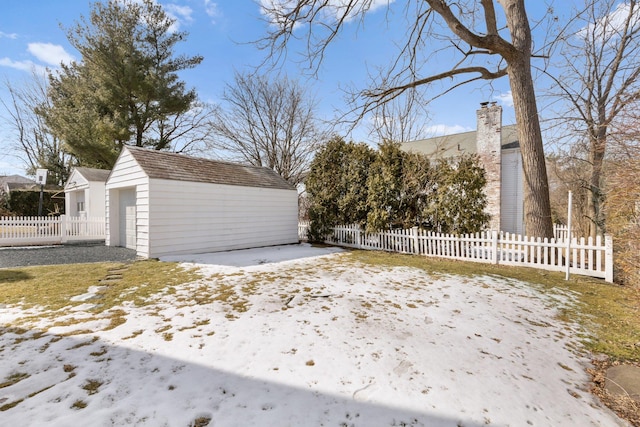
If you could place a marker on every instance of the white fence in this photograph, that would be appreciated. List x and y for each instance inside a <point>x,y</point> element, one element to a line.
<point>561,231</point>
<point>584,257</point>
<point>21,230</point>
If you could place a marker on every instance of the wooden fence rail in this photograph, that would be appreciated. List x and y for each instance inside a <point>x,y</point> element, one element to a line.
<point>587,257</point>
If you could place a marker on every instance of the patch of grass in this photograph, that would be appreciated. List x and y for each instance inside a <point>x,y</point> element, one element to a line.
<point>102,352</point>
<point>51,287</point>
<point>10,405</point>
<point>79,404</point>
<point>134,334</point>
<point>92,386</point>
<point>14,379</point>
<point>610,313</point>
<point>116,318</point>
<point>8,276</point>
<point>201,422</point>
<point>84,343</point>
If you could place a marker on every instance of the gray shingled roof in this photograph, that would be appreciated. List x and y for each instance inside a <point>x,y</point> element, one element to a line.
<point>4,179</point>
<point>178,167</point>
<point>454,145</point>
<point>92,174</point>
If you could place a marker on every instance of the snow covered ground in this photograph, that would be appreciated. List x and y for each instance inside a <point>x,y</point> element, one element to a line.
<point>302,336</point>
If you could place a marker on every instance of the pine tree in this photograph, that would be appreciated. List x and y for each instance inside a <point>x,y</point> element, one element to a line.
<point>125,84</point>
<point>460,202</point>
<point>385,186</point>
<point>336,185</point>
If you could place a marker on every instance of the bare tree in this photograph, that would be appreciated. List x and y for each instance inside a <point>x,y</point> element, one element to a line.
<point>479,48</point>
<point>597,82</point>
<point>36,145</point>
<point>402,119</point>
<point>188,132</point>
<point>622,207</point>
<point>268,122</point>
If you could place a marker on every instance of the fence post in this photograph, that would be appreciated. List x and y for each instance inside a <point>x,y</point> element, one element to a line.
<point>63,228</point>
<point>608,258</point>
<point>494,246</point>
<point>416,247</point>
<point>358,240</point>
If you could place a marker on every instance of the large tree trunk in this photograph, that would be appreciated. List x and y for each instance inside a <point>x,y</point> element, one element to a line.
<point>537,206</point>
<point>596,158</point>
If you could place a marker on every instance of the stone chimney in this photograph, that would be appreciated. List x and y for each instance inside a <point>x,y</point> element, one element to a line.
<point>488,147</point>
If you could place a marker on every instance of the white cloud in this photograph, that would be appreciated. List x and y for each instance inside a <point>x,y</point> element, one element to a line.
<point>610,27</point>
<point>22,65</point>
<point>49,53</point>
<point>333,9</point>
<point>505,99</point>
<point>212,10</point>
<point>8,35</point>
<point>441,129</point>
<point>181,14</point>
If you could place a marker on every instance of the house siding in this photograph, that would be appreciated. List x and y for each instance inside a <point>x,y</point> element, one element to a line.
<point>74,192</point>
<point>511,197</point>
<point>127,173</point>
<point>192,217</point>
<point>86,185</point>
<point>95,202</point>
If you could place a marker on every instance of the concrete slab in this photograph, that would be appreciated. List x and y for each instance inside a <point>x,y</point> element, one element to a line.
<point>624,380</point>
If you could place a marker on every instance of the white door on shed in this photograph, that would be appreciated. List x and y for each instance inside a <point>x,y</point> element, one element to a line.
<point>128,218</point>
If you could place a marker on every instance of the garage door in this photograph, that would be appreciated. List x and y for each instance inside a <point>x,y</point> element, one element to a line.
<point>128,218</point>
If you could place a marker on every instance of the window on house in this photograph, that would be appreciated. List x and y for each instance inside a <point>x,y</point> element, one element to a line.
<point>80,206</point>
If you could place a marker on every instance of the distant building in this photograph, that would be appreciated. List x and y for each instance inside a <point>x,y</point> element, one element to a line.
<point>161,203</point>
<point>498,149</point>
<point>85,192</point>
<point>13,182</point>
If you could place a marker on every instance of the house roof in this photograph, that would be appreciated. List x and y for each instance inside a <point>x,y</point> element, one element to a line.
<point>11,186</point>
<point>178,167</point>
<point>459,143</point>
<point>5,179</point>
<point>92,174</point>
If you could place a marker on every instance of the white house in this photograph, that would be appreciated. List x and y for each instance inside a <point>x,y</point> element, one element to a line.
<point>85,192</point>
<point>499,151</point>
<point>161,203</point>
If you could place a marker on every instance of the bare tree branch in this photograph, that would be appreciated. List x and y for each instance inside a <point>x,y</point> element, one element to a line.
<point>598,83</point>
<point>267,122</point>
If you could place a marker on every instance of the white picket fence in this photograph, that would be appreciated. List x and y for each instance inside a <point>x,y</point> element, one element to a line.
<point>21,230</point>
<point>584,256</point>
<point>561,231</point>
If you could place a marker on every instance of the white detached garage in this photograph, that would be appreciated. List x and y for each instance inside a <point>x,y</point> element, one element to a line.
<point>162,203</point>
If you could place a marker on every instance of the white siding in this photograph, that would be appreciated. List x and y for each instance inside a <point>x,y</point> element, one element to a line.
<point>127,174</point>
<point>189,217</point>
<point>74,192</point>
<point>95,199</point>
<point>511,198</point>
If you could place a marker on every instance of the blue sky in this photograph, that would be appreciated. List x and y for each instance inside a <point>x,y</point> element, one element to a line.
<point>221,31</point>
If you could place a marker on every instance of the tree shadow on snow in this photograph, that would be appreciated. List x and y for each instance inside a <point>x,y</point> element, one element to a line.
<point>59,380</point>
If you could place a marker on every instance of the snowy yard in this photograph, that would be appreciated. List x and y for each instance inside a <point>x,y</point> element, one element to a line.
<point>302,336</point>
